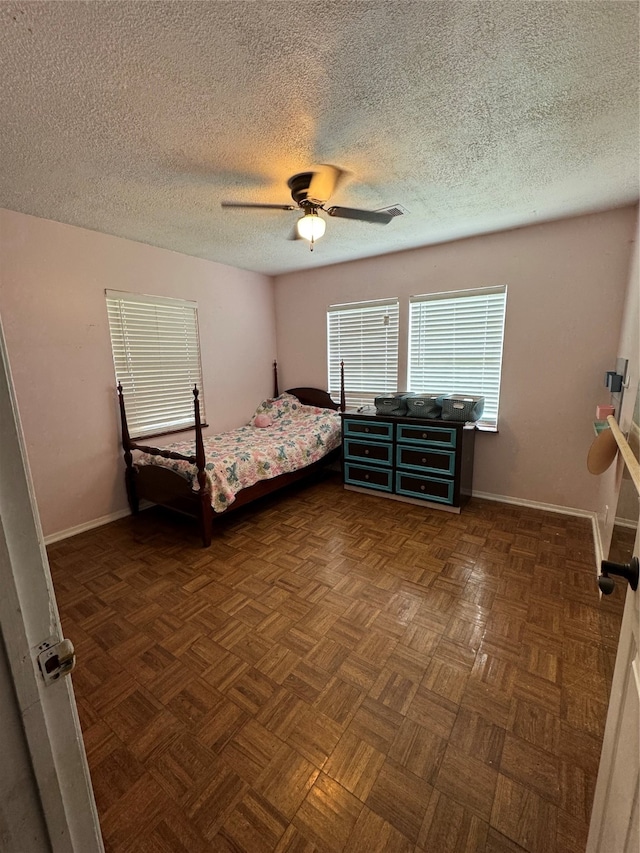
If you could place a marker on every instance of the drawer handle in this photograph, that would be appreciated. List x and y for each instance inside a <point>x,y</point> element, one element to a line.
<point>366,453</point>
<point>425,434</point>
<point>422,487</point>
<point>366,429</point>
<point>424,459</point>
<point>366,476</point>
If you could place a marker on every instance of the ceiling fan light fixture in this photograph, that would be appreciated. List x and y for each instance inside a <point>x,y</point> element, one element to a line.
<point>311,227</point>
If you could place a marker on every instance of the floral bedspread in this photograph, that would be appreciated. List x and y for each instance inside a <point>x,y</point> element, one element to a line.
<point>296,437</point>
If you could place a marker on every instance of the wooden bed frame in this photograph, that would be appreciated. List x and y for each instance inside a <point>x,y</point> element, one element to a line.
<point>169,489</point>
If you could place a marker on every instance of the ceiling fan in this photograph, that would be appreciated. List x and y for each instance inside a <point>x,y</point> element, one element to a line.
<point>310,191</point>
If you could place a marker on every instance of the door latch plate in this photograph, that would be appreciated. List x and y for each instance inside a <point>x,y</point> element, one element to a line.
<point>55,659</point>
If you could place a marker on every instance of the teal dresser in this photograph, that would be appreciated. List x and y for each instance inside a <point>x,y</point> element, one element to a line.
<point>421,461</point>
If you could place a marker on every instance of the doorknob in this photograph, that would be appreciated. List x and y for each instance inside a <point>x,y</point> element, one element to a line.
<point>629,571</point>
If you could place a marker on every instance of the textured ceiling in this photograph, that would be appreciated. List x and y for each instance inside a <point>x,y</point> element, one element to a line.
<point>139,118</point>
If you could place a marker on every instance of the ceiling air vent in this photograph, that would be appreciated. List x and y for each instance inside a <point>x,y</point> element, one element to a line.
<point>394,210</point>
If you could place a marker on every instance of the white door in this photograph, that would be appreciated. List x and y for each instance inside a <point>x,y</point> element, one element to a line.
<point>614,820</point>
<point>46,799</point>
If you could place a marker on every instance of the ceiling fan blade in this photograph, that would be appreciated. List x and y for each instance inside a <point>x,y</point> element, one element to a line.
<point>323,183</point>
<point>363,215</point>
<point>256,204</point>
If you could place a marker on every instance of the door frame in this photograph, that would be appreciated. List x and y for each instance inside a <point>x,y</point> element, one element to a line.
<point>615,802</point>
<point>29,616</point>
<point>625,672</point>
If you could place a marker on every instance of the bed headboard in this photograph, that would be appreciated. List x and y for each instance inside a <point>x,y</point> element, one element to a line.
<point>314,397</point>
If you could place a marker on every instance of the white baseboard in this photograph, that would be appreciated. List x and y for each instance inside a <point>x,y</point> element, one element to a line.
<point>561,510</point>
<point>90,525</point>
<point>626,522</point>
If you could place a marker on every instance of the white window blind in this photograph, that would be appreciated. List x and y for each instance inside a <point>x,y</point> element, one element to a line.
<point>455,345</point>
<point>156,353</point>
<point>365,336</point>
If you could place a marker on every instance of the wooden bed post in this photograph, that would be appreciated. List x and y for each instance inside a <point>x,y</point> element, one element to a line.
<point>130,473</point>
<point>276,392</point>
<point>206,511</point>
<point>343,404</point>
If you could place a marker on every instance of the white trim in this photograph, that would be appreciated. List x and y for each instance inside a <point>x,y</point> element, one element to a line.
<point>463,294</point>
<point>625,522</point>
<point>149,299</point>
<point>561,510</point>
<point>90,525</point>
<point>29,615</point>
<point>368,303</point>
<point>487,496</point>
<point>619,713</point>
<point>597,544</point>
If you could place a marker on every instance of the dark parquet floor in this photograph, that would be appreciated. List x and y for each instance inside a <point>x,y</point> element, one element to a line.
<point>340,672</point>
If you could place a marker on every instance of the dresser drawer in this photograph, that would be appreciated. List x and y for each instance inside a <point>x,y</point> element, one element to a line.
<point>368,429</point>
<point>372,478</point>
<point>429,459</point>
<point>368,451</point>
<point>438,436</point>
<point>429,488</point>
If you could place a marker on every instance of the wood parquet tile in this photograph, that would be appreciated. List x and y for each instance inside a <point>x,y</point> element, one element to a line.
<point>341,673</point>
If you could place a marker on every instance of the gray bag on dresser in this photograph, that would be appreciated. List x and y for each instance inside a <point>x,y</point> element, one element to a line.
<point>459,407</point>
<point>424,406</point>
<point>391,404</point>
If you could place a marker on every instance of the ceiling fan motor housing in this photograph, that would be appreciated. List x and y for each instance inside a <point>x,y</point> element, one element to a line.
<point>299,186</point>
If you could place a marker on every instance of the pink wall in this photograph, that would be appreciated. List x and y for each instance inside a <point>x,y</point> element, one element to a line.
<point>567,285</point>
<point>52,303</point>
<point>566,290</point>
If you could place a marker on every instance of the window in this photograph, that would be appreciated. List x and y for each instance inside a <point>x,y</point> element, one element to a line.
<point>156,353</point>
<point>365,336</point>
<point>455,345</point>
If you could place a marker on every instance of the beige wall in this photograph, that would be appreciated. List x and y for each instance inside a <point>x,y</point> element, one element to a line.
<point>52,303</point>
<point>566,289</point>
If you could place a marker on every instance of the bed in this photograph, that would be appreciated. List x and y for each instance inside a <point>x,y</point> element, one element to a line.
<point>291,437</point>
